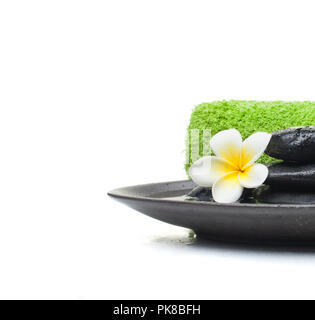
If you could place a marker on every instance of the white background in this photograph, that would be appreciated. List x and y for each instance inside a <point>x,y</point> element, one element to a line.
<point>96,95</point>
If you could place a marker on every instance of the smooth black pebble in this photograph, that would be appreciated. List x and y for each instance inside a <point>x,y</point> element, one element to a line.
<point>284,195</point>
<point>294,144</point>
<point>201,193</point>
<point>292,175</point>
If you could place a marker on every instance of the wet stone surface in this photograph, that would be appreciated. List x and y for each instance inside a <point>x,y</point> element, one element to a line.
<point>294,144</point>
<point>284,195</point>
<point>292,175</point>
<point>201,194</point>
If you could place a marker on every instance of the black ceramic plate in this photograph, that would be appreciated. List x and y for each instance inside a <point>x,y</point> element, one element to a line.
<point>238,222</point>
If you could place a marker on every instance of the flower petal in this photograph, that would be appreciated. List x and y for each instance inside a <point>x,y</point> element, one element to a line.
<point>205,171</point>
<point>227,189</point>
<point>253,148</point>
<point>227,145</point>
<point>254,176</point>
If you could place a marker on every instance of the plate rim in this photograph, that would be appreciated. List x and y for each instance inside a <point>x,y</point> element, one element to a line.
<point>120,193</point>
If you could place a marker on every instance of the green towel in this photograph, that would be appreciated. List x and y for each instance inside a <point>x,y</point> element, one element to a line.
<point>247,117</point>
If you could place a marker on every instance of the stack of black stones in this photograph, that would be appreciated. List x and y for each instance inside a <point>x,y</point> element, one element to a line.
<point>290,181</point>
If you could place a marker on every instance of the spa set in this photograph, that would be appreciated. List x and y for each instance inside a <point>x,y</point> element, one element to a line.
<point>251,180</point>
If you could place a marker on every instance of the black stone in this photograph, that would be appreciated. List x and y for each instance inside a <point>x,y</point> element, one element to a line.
<point>292,175</point>
<point>294,144</point>
<point>283,195</point>
<point>201,193</point>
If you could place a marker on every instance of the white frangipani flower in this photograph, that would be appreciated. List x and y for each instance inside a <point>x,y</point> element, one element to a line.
<point>233,168</point>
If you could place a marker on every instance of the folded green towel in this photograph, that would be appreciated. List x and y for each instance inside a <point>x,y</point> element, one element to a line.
<point>246,116</point>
